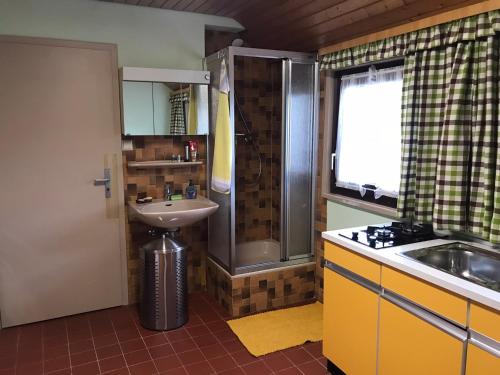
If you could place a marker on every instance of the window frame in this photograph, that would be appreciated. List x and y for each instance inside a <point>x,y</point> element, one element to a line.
<point>384,205</point>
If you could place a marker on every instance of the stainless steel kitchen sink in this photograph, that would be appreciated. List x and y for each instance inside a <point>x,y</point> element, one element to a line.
<point>467,262</point>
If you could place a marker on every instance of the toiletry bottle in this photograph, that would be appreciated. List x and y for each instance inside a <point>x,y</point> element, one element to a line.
<point>193,148</point>
<point>186,151</point>
<point>191,192</point>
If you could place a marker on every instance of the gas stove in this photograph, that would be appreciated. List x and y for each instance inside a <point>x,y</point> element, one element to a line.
<point>395,234</point>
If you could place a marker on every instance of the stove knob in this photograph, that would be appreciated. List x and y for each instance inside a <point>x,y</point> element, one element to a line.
<point>355,236</point>
<point>373,243</point>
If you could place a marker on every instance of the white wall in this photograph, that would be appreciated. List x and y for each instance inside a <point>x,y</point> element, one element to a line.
<point>146,37</point>
<point>340,216</point>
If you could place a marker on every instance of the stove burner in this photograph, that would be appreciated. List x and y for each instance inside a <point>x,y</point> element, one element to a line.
<point>383,232</point>
<point>395,234</point>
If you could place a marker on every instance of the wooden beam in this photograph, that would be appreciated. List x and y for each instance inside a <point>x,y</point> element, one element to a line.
<point>452,15</point>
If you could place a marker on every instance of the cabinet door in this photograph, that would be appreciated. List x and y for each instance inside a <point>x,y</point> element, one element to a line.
<point>412,346</point>
<point>481,362</point>
<point>161,108</point>
<point>350,325</point>
<point>137,108</point>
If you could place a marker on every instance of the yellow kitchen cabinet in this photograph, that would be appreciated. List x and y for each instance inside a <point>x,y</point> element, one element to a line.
<point>356,263</point>
<point>411,343</point>
<point>350,319</point>
<point>485,321</point>
<point>481,362</point>
<point>443,302</point>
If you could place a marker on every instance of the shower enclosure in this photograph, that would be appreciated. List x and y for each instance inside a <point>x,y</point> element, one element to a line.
<point>267,219</point>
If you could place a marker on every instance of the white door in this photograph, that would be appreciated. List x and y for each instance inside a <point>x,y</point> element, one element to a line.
<point>60,238</point>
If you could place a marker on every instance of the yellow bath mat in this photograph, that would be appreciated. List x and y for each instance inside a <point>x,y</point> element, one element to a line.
<point>279,329</point>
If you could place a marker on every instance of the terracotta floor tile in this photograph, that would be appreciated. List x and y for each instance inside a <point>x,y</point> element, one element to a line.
<point>198,331</point>
<point>80,346</point>
<point>83,357</point>
<point>314,348</point>
<point>128,334</point>
<point>191,356</point>
<point>205,340</point>
<point>122,371</point>
<point>155,340</point>
<point>105,340</point>
<point>108,351</point>
<point>222,363</point>
<point>213,351</point>
<point>168,363</point>
<point>55,351</point>
<point>200,368</point>
<point>175,371</point>
<point>233,346</point>
<point>161,351</point>
<point>291,371</point>
<point>218,325</point>
<point>233,371</point>
<point>277,361</point>
<point>136,357</point>
<point>87,369</point>
<point>177,335</point>
<point>132,345</point>
<point>112,363</point>
<point>243,357</point>
<point>58,363</point>
<point>312,368</point>
<point>184,345</point>
<point>145,368</point>
<point>35,368</point>
<point>256,368</point>
<point>298,355</point>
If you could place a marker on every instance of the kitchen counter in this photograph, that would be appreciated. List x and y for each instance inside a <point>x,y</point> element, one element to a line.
<point>391,257</point>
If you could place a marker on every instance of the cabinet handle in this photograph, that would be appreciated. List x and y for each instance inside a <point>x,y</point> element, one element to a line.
<point>426,316</point>
<point>485,343</point>
<point>355,278</point>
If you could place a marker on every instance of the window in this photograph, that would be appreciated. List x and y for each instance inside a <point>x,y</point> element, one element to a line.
<point>367,138</point>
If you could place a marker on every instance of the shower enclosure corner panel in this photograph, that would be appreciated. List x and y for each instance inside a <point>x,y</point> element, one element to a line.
<point>220,224</point>
<point>267,219</point>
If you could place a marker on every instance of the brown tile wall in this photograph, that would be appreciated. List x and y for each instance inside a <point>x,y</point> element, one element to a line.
<point>242,295</point>
<point>320,214</point>
<point>258,89</point>
<point>152,181</point>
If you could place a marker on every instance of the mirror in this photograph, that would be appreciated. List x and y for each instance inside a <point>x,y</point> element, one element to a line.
<point>164,108</point>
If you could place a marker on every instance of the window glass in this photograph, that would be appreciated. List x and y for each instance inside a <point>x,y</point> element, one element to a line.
<point>368,147</point>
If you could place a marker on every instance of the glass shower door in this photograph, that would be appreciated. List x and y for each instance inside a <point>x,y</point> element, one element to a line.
<point>298,160</point>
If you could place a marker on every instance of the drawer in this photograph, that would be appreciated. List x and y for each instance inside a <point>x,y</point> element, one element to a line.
<point>485,321</point>
<point>431,297</point>
<point>353,262</point>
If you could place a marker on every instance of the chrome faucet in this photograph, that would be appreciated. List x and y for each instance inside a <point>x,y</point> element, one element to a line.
<point>167,192</point>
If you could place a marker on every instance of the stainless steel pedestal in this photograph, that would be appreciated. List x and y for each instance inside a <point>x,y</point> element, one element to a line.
<point>163,283</point>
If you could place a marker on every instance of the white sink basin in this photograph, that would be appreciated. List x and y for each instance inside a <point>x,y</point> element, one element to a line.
<point>173,214</point>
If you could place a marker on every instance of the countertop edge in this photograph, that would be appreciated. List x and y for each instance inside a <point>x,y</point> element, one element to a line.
<point>439,278</point>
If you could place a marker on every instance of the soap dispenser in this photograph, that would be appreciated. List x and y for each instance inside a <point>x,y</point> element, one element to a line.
<point>191,192</point>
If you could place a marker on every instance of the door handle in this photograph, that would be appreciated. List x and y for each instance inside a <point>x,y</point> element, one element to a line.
<point>106,182</point>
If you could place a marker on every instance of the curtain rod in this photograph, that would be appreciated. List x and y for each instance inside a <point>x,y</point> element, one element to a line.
<point>452,15</point>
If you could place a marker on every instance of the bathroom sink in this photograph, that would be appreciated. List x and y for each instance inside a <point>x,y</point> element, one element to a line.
<point>173,214</point>
<point>467,262</point>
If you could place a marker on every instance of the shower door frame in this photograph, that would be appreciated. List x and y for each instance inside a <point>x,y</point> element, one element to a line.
<point>229,53</point>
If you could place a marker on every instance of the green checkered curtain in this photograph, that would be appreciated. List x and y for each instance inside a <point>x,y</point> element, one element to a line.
<point>439,36</point>
<point>178,113</point>
<point>450,159</point>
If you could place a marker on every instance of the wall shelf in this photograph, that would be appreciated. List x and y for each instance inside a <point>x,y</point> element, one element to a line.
<point>162,164</point>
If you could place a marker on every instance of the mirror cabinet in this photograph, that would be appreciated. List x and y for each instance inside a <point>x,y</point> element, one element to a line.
<point>164,101</point>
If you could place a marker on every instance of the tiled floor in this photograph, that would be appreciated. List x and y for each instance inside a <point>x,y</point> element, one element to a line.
<point>113,342</point>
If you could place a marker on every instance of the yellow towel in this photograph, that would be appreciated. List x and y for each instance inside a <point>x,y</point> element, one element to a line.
<point>193,111</point>
<point>223,148</point>
<point>279,329</point>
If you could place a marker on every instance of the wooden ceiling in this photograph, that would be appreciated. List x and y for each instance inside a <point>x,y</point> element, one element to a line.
<point>307,25</point>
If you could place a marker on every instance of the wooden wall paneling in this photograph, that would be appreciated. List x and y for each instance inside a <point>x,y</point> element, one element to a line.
<point>433,18</point>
